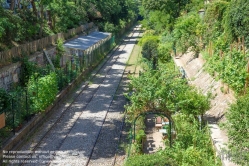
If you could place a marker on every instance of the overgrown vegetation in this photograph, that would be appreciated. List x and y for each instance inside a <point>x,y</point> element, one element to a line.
<point>237,125</point>
<point>192,146</point>
<point>163,90</point>
<point>231,73</point>
<point>32,19</point>
<point>42,91</point>
<point>218,29</point>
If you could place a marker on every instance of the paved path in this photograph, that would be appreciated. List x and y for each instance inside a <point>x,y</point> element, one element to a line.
<point>154,139</point>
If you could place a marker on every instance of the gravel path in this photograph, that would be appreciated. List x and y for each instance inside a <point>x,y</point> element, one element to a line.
<point>106,151</point>
<point>73,139</point>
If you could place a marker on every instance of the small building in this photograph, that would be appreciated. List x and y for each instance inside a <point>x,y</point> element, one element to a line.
<point>79,45</point>
<point>85,47</point>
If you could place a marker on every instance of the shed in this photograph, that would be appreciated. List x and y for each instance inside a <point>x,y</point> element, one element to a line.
<point>79,45</point>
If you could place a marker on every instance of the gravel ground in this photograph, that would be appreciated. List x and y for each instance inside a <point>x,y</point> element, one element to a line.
<point>71,140</point>
<point>132,67</point>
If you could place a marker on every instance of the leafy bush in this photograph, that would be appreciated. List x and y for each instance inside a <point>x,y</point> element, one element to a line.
<point>230,72</point>
<point>164,52</point>
<point>236,21</point>
<point>4,100</point>
<point>237,126</point>
<point>149,36</point>
<point>214,27</point>
<point>191,147</point>
<point>42,91</point>
<point>164,90</point>
<point>187,32</point>
<point>149,48</point>
<point>59,53</point>
<point>27,70</point>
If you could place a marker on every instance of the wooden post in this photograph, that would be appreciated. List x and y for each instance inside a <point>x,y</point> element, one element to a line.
<point>243,45</point>
<point>210,45</point>
<point>211,50</point>
<point>2,120</point>
<point>239,44</point>
<point>220,54</point>
<point>247,79</point>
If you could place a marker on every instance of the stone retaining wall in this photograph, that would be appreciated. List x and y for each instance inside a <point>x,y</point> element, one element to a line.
<point>10,74</point>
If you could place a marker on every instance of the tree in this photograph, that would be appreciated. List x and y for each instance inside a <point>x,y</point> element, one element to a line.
<point>187,33</point>
<point>236,20</point>
<point>165,91</point>
<point>12,4</point>
<point>149,50</point>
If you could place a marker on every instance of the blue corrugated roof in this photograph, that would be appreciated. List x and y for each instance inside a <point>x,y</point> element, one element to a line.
<point>84,42</point>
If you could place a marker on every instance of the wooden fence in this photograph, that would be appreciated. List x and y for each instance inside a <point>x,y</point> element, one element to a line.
<point>38,45</point>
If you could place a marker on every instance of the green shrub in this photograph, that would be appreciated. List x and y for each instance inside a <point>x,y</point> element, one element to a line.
<point>191,147</point>
<point>231,69</point>
<point>42,91</point>
<point>4,100</point>
<point>237,125</point>
<point>187,32</point>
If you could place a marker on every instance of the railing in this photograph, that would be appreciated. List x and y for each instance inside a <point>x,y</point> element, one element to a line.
<point>38,45</point>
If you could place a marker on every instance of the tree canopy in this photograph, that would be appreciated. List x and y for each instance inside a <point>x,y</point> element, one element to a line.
<point>31,19</point>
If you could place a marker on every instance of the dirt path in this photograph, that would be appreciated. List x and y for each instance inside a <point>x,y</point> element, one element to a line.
<point>219,102</point>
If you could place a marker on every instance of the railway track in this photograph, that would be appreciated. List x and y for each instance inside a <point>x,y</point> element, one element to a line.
<point>80,131</point>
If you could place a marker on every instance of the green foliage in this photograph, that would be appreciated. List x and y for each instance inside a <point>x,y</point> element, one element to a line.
<point>213,19</point>
<point>165,47</point>
<point>140,135</point>
<point>42,91</point>
<point>164,52</point>
<point>4,100</point>
<point>164,90</point>
<point>28,28</point>
<point>232,73</point>
<point>149,44</point>
<point>191,147</point>
<point>27,70</point>
<point>236,21</point>
<point>59,53</point>
<point>193,102</point>
<point>110,27</point>
<point>148,38</point>
<point>149,51</point>
<point>26,25</point>
<point>8,27</point>
<point>194,5</point>
<point>187,32</point>
<point>237,126</point>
